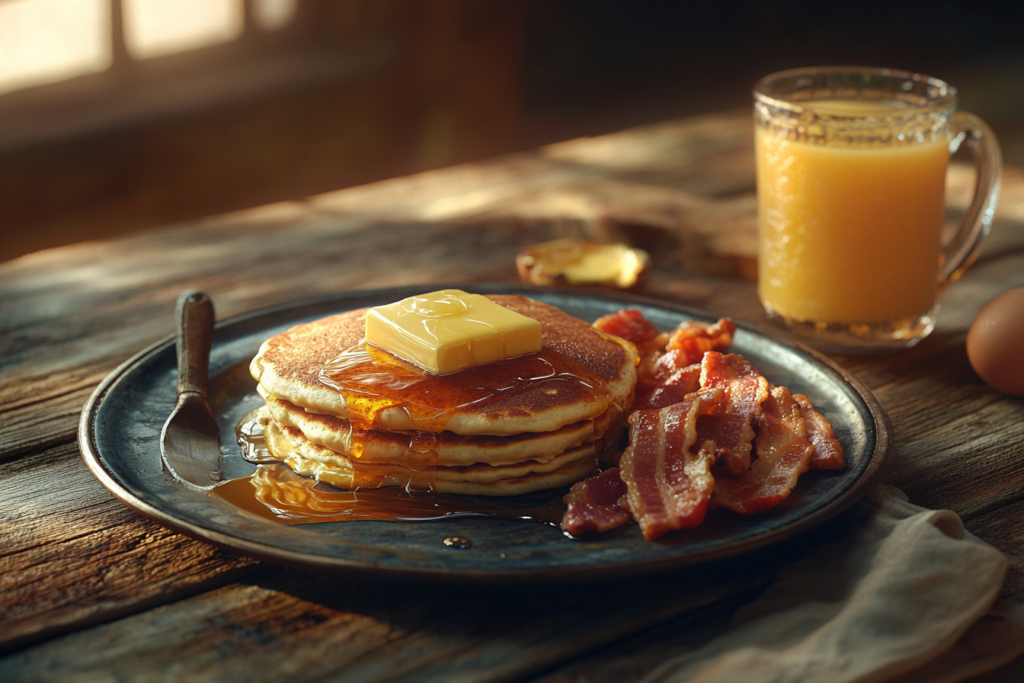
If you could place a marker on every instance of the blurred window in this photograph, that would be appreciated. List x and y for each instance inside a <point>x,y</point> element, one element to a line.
<point>44,41</point>
<point>161,27</point>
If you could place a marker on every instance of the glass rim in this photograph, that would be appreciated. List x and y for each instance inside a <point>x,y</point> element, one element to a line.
<point>945,98</point>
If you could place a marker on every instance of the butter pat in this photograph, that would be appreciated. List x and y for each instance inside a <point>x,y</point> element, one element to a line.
<point>451,330</point>
<point>581,262</point>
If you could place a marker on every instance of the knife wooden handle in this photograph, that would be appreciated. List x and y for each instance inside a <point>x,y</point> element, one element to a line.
<point>195,335</point>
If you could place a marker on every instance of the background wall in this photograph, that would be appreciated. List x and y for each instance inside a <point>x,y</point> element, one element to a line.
<point>351,91</point>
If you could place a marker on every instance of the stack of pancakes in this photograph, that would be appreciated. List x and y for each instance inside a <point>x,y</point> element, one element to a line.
<point>545,434</point>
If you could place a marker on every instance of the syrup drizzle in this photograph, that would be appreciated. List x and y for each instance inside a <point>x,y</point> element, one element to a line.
<point>418,460</point>
<point>372,380</point>
<point>276,493</point>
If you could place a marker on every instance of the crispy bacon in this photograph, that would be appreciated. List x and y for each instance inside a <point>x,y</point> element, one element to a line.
<point>649,374</point>
<point>593,504</point>
<point>667,364</point>
<point>672,390</point>
<point>694,339</point>
<point>828,453</point>
<point>668,484</point>
<point>663,356</point>
<point>733,430</point>
<point>629,324</point>
<point>783,453</point>
<point>696,410</point>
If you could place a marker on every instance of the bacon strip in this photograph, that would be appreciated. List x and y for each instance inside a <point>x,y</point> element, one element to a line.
<point>667,364</point>
<point>681,438</point>
<point>828,453</point>
<point>593,504</point>
<point>628,324</point>
<point>668,485</point>
<point>733,432</point>
<point>672,390</point>
<point>694,339</point>
<point>666,354</point>
<point>783,453</point>
<point>631,325</point>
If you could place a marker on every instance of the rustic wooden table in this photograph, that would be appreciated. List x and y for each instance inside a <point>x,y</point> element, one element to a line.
<point>91,591</point>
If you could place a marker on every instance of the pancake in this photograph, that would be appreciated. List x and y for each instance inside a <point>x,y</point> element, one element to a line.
<point>313,460</point>
<point>355,416</point>
<point>382,447</point>
<point>589,373</point>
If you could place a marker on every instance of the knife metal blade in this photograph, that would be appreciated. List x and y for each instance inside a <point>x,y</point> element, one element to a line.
<point>190,440</point>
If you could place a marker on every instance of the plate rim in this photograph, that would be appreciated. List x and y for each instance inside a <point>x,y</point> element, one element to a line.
<point>877,462</point>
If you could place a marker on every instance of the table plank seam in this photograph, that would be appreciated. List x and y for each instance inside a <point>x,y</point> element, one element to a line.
<point>67,539</point>
<point>728,604</point>
<point>91,383</point>
<point>39,447</point>
<point>545,656</point>
<point>987,510</point>
<point>110,615</point>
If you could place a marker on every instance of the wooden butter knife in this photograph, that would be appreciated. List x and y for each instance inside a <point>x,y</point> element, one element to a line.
<point>190,440</point>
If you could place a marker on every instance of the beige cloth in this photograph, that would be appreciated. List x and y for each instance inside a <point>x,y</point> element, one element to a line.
<point>908,595</point>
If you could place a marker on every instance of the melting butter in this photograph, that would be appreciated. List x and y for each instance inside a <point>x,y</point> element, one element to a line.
<point>451,330</point>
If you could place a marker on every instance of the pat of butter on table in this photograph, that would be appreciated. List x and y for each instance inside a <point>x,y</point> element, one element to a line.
<point>451,330</point>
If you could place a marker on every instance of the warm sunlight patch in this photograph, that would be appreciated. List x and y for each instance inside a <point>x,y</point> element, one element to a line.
<point>44,41</point>
<point>157,27</point>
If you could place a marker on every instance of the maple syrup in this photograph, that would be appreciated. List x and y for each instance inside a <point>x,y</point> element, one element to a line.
<point>418,461</point>
<point>276,493</point>
<point>372,380</point>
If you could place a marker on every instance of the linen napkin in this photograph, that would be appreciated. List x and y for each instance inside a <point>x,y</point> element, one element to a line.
<point>908,595</point>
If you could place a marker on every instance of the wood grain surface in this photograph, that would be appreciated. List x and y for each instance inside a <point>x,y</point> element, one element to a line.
<point>90,591</point>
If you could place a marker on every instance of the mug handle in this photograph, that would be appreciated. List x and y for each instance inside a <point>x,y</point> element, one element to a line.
<point>963,248</point>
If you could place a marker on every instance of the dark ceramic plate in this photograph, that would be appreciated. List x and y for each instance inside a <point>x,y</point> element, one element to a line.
<point>120,431</point>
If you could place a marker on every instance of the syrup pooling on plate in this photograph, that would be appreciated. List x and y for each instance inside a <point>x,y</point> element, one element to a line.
<point>251,433</point>
<point>416,470</point>
<point>378,388</point>
<point>372,380</point>
<point>276,493</point>
<point>460,542</point>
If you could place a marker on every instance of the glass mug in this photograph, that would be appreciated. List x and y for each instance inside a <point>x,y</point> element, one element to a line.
<point>851,177</point>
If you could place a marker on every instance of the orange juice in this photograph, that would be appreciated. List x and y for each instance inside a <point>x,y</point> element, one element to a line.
<point>851,166</point>
<point>849,234</point>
